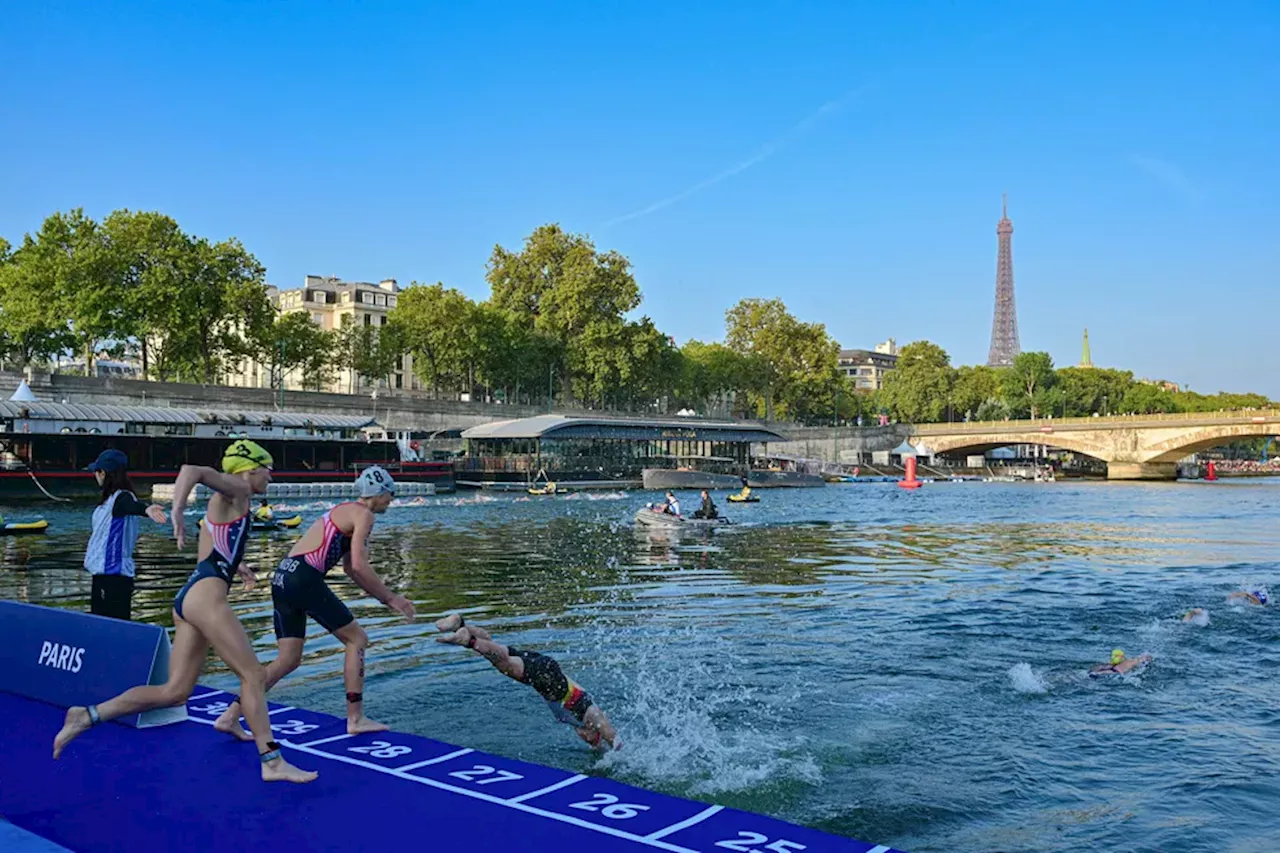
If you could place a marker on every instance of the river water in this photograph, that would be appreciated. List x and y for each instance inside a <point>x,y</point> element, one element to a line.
<point>903,668</point>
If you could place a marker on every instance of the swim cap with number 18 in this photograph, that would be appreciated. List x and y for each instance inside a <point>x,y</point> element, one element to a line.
<point>374,481</point>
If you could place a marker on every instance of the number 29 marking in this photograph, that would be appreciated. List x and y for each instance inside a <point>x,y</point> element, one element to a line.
<point>745,841</point>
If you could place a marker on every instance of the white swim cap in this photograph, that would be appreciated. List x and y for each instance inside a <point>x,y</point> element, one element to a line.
<point>374,481</point>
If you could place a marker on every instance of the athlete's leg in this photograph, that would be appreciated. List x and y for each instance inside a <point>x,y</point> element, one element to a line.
<point>356,641</point>
<point>185,662</point>
<point>209,611</point>
<point>496,653</point>
<point>287,660</point>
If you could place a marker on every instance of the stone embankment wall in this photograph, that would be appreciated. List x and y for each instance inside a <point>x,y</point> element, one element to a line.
<point>826,442</point>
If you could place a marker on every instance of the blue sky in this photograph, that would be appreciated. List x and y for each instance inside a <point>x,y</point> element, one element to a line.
<point>847,157</point>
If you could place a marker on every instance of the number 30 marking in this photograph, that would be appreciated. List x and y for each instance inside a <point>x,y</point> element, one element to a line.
<point>621,811</point>
<point>745,839</point>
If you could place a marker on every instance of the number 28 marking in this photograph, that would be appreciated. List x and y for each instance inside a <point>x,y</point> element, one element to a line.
<point>604,803</point>
<point>382,749</point>
<point>743,843</point>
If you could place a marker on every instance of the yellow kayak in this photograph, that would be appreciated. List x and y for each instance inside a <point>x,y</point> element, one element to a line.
<point>739,499</point>
<point>275,524</point>
<point>16,527</point>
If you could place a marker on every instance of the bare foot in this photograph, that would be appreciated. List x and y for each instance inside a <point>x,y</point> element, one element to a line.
<point>460,637</point>
<point>76,721</point>
<point>364,725</point>
<point>282,771</point>
<point>452,622</point>
<point>229,724</point>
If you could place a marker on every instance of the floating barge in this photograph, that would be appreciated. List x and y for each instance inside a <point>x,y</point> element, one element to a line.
<point>185,787</point>
<point>44,447</point>
<point>581,452</point>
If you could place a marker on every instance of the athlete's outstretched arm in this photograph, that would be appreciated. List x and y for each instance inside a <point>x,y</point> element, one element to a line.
<point>356,565</point>
<point>189,476</point>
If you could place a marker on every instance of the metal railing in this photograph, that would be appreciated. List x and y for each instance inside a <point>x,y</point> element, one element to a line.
<point>1104,421</point>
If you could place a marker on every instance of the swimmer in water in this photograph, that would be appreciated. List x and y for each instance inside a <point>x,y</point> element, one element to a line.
<point>298,590</point>
<point>1119,664</point>
<point>568,702</point>
<point>1257,596</point>
<point>1197,616</point>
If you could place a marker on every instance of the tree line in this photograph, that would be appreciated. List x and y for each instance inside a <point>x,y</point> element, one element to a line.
<point>925,388</point>
<point>560,325</point>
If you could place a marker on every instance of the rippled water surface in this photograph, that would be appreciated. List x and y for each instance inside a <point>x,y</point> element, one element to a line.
<point>904,668</point>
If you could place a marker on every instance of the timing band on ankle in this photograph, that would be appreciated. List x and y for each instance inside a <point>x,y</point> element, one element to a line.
<point>272,753</point>
<point>94,717</point>
<point>471,641</point>
<point>353,698</point>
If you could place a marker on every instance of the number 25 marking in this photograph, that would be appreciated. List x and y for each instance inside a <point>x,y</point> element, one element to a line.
<point>621,811</point>
<point>382,749</point>
<point>745,839</point>
<point>474,774</point>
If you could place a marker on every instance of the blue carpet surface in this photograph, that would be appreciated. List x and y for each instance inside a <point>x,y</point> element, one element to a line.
<point>186,787</point>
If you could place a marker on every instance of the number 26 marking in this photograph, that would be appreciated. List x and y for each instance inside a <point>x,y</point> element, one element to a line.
<point>382,749</point>
<point>474,774</point>
<point>621,811</point>
<point>743,843</point>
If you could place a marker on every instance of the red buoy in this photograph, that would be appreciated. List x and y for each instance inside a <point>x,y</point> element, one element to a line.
<point>1211,472</point>
<point>910,482</point>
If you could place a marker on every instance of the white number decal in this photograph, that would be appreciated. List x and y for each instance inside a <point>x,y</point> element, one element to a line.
<point>621,811</point>
<point>382,749</point>
<point>213,707</point>
<point>479,770</point>
<point>294,727</point>
<point>745,839</point>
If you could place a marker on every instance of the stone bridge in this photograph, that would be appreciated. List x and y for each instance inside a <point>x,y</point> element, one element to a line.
<point>1135,447</point>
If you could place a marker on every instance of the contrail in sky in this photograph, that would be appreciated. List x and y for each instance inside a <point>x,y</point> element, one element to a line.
<point>801,127</point>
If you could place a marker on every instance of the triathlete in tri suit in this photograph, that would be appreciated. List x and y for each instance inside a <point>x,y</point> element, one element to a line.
<point>298,590</point>
<point>568,702</point>
<point>201,615</point>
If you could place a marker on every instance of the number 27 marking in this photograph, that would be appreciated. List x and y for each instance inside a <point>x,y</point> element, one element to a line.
<point>743,843</point>
<point>474,774</point>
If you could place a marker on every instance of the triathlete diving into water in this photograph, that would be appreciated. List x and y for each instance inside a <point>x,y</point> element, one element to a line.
<point>568,702</point>
<point>298,590</point>
<point>201,614</point>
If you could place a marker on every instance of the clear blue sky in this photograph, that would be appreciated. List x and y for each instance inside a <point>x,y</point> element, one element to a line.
<point>847,157</point>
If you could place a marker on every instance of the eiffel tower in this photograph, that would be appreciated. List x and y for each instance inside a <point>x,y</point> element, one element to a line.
<point>1004,328</point>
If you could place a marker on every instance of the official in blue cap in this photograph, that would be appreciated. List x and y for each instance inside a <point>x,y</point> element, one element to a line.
<point>116,522</point>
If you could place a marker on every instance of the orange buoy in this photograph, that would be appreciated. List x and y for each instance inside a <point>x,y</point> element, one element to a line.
<point>910,482</point>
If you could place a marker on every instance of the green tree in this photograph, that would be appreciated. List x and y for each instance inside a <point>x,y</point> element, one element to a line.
<point>791,368</point>
<point>70,262</point>
<point>435,324</point>
<point>1146,399</point>
<point>293,343</point>
<point>1086,390</point>
<point>371,352</point>
<point>974,385</point>
<point>567,292</point>
<point>918,388</point>
<point>222,306</point>
<point>32,328</point>
<point>709,374</point>
<point>1025,383</point>
<point>150,254</point>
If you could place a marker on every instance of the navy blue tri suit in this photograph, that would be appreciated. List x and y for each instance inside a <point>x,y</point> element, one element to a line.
<point>298,588</point>
<point>229,540</point>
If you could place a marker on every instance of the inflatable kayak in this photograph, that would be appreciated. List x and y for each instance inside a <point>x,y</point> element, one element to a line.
<point>739,499</point>
<point>651,518</point>
<point>544,491</point>
<point>15,528</point>
<point>275,524</point>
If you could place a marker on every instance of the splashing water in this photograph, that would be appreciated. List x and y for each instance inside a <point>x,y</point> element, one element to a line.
<point>1025,679</point>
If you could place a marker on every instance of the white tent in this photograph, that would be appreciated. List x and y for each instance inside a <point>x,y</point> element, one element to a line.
<point>923,450</point>
<point>905,449</point>
<point>24,394</point>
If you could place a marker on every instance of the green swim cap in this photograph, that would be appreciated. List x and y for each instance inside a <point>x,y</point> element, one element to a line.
<point>245,455</point>
<point>1117,656</point>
